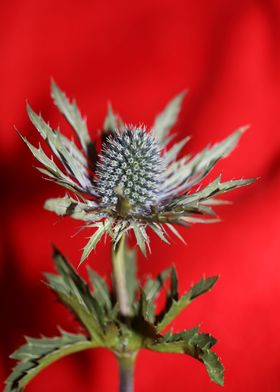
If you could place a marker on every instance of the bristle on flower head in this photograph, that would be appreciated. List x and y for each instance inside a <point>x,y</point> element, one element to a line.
<point>131,161</point>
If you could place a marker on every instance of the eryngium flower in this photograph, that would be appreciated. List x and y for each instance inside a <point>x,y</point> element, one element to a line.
<point>131,162</point>
<point>135,181</point>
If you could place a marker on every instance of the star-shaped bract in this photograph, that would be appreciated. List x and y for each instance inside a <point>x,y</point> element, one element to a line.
<point>136,181</point>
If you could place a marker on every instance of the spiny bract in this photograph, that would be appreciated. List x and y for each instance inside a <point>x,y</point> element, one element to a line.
<point>136,180</point>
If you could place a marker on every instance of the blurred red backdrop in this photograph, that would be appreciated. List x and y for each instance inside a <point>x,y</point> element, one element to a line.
<point>139,55</point>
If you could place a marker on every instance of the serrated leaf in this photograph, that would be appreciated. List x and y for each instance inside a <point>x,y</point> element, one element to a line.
<point>101,291</point>
<point>177,307</point>
<point>185,335</point>
<point>55,139</point>
<point>214,367</point>
<point>67,206</point>
<point>141,237</point>
<point>174,310</point>
<point>110,123</point>
<point>202,287</point>
<point>72,115</point>
<point>191,219</point>
<point>159,231</point>
<point>153,286</point>
<point>36,354</point>
<point>151,291</point>
<point>144,309</point>
<point>195,344</point>
<point>64,149</point>
<point>167,118</point>
<point>216,187</point>
<point>173,284</point>
<point>182,175</point>
<point>49,165</point>
<point>175,231</point>
<point>94,239</point>
<point>221,149</point>
<point>173,152</point>
<point>75,293</point>
<point>203,340</point>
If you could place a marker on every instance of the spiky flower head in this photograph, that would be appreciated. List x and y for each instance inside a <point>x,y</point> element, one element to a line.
<point>130,164</point>
<point>135,181</point>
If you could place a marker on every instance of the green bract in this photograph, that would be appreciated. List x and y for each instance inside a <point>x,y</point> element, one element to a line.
<point>136,181</point>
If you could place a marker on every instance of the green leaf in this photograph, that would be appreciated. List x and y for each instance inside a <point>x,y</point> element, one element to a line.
<point>151,291</point>
<point>173,152</point>
<point>195,344</point>
<point>141,237</point>
<point>219,150</point>
<point>191,219</point>
<point>216,187</point>
<point>144,309</point>
<point>102,228</point>
<point>180,343</point>
<point>175,231</point>
<point>75,293</point>
<point>167,118</point>
<point>203,340</point>
<point>159,230</point>
<point>51,168</point>
<point>174,284</point>
<point>185,335</point>
<point>110,123</point>
<point>55,139</point>
<point>153,286</point>
<point>37,354</point>
<point>214,367</point>
<point>66,206</point>
<point>182,175</point>
<point>65,150</point>
<point>202,287</point>
<point>72,115</point>
<point>101,291</point>
<point>178,306</point>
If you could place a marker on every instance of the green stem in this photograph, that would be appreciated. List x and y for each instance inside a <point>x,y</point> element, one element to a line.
<point>119,277</point>
<point>126,372</point>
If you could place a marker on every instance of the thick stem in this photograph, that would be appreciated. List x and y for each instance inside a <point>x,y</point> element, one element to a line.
<point>119,277</point>
<point>126,372</point>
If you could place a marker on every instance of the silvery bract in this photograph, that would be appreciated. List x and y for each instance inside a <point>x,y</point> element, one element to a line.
<point>136,181</point>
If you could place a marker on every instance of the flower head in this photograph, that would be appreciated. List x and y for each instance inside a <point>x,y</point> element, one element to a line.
<point>136,180</point>
<point>130,164</point>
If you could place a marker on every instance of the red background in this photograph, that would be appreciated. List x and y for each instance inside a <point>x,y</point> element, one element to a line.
<point>139,55</point>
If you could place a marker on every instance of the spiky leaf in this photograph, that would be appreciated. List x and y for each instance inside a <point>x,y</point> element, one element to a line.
<point>75,293</point>
<point>72,114</point>
<point>167,118</point>
<point>36,354</point>
<point>110,123</point>
<point>94,239</point>
<point>151,291</point>
<point>178,306</point>
<point>214,366</point>
<point>67,206</point>
<point>101,290</point>
<point>195,344</point>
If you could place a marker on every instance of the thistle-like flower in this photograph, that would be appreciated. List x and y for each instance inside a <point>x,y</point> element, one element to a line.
<point>134,180</point>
